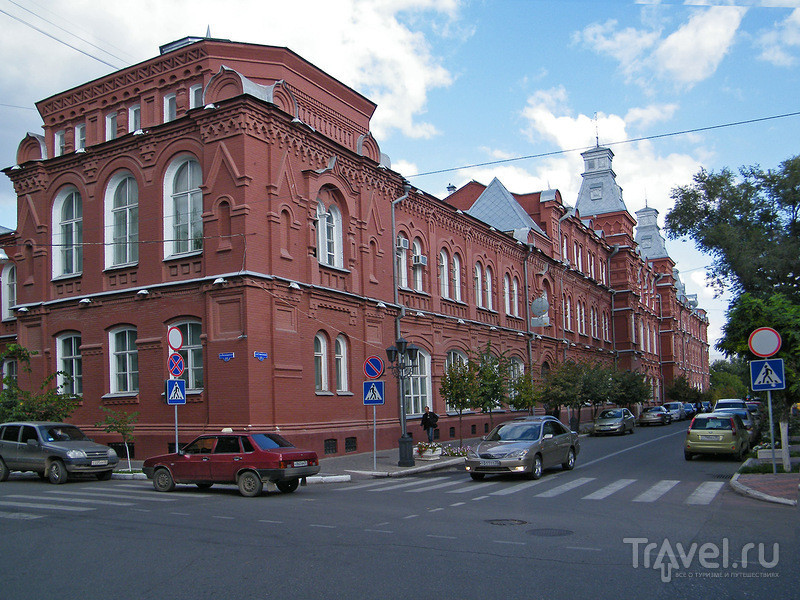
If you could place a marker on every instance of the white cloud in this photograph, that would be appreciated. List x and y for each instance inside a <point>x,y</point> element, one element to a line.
<point>686,56</point>
<point>643,117</point>
<point>776,44</point>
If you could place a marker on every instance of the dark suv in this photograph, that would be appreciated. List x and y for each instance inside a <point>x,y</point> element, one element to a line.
<point>53,450</point>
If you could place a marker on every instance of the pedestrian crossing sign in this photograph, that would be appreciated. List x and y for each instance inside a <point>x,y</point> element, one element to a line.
<point>767,375</point>
<point>373,392</point>
<point>176,391</point>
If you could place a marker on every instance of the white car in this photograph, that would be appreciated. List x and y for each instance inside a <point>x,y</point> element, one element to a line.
<point>730,403</point>
<point>676,410</point>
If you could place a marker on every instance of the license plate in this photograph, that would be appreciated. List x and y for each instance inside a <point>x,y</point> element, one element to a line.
<point>490,463</point>
<point>99,463</point>
<point>711,438</point>
<point>301,463</point>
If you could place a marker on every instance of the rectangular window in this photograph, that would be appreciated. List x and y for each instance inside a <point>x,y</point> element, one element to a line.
<point>170,108</point>
<point>124,361</point>
<point>60,146</point>
<point>80,137</point>
<point>111,126</point>
<point>134,118</point>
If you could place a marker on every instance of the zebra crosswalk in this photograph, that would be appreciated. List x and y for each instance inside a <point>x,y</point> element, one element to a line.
<point>554,486</point>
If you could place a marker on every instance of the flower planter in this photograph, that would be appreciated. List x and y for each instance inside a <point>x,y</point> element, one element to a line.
<point>432,454</point>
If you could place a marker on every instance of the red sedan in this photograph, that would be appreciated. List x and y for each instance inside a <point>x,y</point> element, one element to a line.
<point>246,459</point>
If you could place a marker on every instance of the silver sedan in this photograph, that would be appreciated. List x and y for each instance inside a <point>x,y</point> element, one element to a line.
<point>525,446</point>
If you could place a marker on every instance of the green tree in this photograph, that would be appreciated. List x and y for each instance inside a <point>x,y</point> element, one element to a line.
<point>458,388</point>
<point>681,391</point>
<point>630,388</point>
<point>45,404</point>
<point>491,372</point>
<point>749,226</point>
<point>121,422</point>
<point>523,393</point>
<point>561,386</point>
<point>729,379</point>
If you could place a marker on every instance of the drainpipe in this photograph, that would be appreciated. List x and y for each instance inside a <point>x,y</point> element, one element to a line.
<point>401,314</point>
<point>613,295</point>
<point>528,307</point>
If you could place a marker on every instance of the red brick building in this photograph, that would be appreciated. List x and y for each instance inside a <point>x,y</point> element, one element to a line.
<point>234,191</point>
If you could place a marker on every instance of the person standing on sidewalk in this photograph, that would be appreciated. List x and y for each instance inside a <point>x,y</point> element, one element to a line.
<point>429,420</point>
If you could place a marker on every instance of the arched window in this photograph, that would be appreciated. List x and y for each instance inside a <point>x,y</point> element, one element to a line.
<point>419,384</point>
<point>320,363</point>
<point>456,277</point>
<point>568,325</point>
<point>9,279</point>
<point>192,353</point>
<point>183,207</point>
<point>70,364</point>
<point>444,274</point>
<point>479,285</point>
<point>515,297</point>
<point>489,292</point>
<point>419,261</point>
<point>516,369</point>
<point>340,357</point>
<point>402,261</point>
<point>67,233</point>
<point>122,220</point>
<point>507,293</point>
<point>329,235</point>
<point>454,357</point>
<point>124,356</point>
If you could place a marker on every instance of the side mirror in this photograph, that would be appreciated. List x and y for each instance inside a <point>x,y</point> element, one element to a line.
<point>182,452</point>
<point>547,436</point>
<point>33,442</point>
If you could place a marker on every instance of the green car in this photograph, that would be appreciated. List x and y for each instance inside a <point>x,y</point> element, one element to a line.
<point>717,433</point>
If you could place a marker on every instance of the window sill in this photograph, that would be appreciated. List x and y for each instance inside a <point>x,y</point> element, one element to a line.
<point>344,393</point>
<point>323,393</point>
<point>183,255</point>
<point>120,267</point>
<point>334,268</point>
<point>64,276</point>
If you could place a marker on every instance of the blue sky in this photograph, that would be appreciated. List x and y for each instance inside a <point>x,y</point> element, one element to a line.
<point>460,83</point>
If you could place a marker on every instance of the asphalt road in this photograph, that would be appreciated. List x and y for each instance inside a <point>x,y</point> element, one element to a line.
<point>632,520</point>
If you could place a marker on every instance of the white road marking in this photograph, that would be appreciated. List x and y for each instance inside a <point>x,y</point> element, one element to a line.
<point>570,485</point>
<point>401,485</point>
<point>656,491</point>
<point>81,500</point>
<point>361,486</point>
<point>705,492</point>
<point>605,492</point>
<point>519,487</point>
<point>435,486</point>
<point>47,506</point>
<point>19,516</point>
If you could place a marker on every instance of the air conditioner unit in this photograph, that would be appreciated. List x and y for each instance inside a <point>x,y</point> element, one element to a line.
<point>402,243</point>
<point>419,260</point>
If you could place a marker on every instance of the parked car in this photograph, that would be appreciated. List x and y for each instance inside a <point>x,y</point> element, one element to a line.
<point>717,433</point>
<point>614,420</point>
<point>706,406</point>
<point>676,410</point>
<point>246,459</point>
<point>655,415</point>
<point>747,419</point>
<point>758,414</point>
<point>525,446</point>
<point>730,403</point>
<point>53,450</point>
<point>689,409</point>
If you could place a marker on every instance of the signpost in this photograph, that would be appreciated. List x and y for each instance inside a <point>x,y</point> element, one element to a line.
<point>374,396</point>
<point>175,388</point>
<point>767,375</point>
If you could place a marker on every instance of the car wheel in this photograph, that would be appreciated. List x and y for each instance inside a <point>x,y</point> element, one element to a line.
<point>104,475</point>
<point>57,473</point>
<point>287,487</point>
<point>477,476</point>
<point>536,467</point>
<point>163,481</point>
<point>3,470</point>
<point>250,484</point>
<point>204,486</point>
<point>570,462</point>
<point>687,455</point>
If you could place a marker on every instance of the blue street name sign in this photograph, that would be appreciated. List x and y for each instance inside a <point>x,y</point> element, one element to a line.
<point>261,356</point>
<point>226,356</point>
<point>767,375</point>
<point>373,393</point>
<point>176,391</point>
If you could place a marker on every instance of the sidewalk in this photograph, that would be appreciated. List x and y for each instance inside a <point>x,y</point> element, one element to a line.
<point>779,488</point>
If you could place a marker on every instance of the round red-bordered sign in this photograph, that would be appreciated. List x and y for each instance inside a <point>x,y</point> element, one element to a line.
<point>373,367</point>
<point>764,342</point>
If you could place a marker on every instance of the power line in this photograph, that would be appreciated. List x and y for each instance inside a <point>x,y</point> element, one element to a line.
<point>43,32</point>
<point>629,141</point>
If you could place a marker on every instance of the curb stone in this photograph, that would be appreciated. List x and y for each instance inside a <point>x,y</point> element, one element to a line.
<point>744,490</point>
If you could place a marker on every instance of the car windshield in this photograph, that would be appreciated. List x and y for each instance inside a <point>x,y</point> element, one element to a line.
<point>735,411</point>
<point>712,423</point>
<point>515,431</point>
<point>270,441</point>
<point>63,433</point>
<point>610,414</point>
<point>653,409</point>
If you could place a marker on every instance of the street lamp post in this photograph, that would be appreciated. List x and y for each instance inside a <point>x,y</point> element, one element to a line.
<point>401,358</point>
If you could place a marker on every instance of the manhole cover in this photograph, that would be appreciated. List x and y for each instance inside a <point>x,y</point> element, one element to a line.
<point>506,522</point>
<point>723,476</point>
<point>551,532</point>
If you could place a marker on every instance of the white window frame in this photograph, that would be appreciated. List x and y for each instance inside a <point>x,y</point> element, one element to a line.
<point>478,285</point>
<point>80,136</point>
<point>122,222</point>
<point>417,270</point>
<point>9,279</point>
<point>10,369</point>
<point>111,126</point>
<point>176,242</point>
<point>402,265</point>
<point>67,234</point>
<point>170,107</point>
<point>489,304</point>
<point>123,360</point>
<point>456,277</point>
<point>515,296</point>
<point>329,236</point>
<point>507,293</point>
<point>341,364</point>
<point>452,357</point>
<point>59,143</point>
<point>444,274</point>
<point>320,362</point>
<point>418,394</point>
<point>134,118</point>
<point>192,353</point>
<point>196,96</point>
<point>70,363</point>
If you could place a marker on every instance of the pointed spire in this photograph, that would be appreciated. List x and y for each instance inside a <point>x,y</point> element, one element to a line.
<point>208,31</point>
